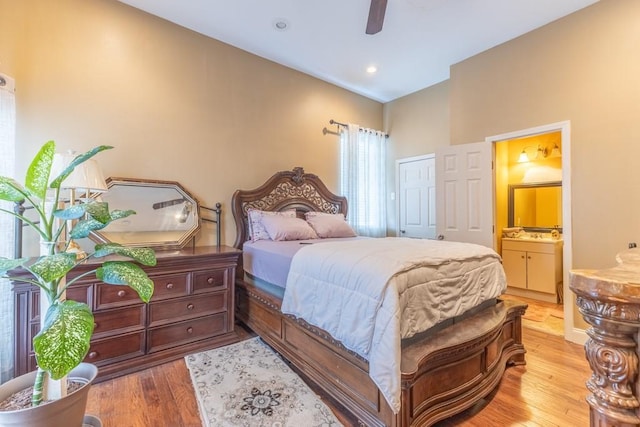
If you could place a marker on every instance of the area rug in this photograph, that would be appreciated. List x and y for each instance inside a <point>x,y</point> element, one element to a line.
<point>248,384</point>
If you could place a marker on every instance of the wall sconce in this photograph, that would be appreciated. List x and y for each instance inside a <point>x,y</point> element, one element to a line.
<point>541,153</point>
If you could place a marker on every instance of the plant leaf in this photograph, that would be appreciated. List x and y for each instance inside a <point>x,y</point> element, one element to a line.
<point>37,179</point>
<point>63,341</point>
<point>53,267</point>
<point>118,214</point>
<point>126,273</point>
<point>9,189</point>
<point>72,212</point>
<point>144,256</point>
<point>7,264</point>
<point>84,227</point>
<point>75,162</point>
<point>99,211</point>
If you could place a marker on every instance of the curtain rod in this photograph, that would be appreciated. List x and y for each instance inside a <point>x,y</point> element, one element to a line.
<point>333,122</point>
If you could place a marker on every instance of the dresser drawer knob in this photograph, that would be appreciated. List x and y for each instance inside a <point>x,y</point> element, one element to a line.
<point>189,330</point>
<point>93,355</point>
<point>121,293</point>
<point>95,325</point>
<point>190,306</point>
<point>169,285</point>
<point>210,280</point>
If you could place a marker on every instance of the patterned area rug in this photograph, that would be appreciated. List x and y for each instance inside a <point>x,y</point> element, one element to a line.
<point>248,384</point>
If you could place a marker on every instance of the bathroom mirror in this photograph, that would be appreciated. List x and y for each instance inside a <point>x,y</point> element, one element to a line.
<point>167,215</point>
<point>536,207</point>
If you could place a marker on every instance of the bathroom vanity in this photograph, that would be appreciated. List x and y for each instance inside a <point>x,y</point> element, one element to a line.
<point>533,267</point>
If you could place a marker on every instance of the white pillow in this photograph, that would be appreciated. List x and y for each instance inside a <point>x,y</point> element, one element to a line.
<point>286,228</point>
<point>256,229</point>
<point>329,225</point>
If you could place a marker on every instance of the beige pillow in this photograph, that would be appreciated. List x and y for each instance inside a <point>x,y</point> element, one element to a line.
<point>286,228</point>
<point>329,225</point>
<point>256,229</point>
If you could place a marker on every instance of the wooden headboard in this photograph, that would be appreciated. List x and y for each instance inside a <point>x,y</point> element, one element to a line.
<point>295,189</point>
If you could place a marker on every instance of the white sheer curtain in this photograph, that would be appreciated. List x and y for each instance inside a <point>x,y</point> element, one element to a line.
<point>362,179</point>
<point>7,166</point>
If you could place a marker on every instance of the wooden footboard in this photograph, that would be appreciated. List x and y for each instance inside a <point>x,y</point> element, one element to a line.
<point>442,375</point>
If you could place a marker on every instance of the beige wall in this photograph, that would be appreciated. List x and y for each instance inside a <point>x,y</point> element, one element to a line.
<point>175,104</point>
<point>583,68</point>
<point>417,124</point>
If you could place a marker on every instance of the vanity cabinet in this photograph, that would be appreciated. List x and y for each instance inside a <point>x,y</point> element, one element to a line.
<point>192,309</point>
<point>533,268</point>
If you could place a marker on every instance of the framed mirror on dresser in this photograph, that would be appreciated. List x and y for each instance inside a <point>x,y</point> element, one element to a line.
<point>192,305</point>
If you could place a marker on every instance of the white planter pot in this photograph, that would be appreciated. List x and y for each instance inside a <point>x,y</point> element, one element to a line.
<point>65,412</point>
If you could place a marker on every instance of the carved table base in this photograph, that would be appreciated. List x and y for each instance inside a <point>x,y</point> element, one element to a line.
<point>609,300</point>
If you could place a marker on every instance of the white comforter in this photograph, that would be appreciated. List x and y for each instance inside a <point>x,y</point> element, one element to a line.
<point>370,293</point>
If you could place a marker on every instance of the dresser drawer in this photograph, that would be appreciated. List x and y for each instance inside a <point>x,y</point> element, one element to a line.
<point>169,286</point>
<point>112,296</point>
<point>186,308</point>
<point>186,332</point>
<point>114,349</point>
<point>117,321</point>
<point>81,293</point>
<point>205,281</point>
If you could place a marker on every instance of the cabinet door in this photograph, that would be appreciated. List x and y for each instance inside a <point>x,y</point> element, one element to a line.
<point>515,267</point>
<point>542,274</point>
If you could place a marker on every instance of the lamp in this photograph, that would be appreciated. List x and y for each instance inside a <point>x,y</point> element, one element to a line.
<point>555,151</point>
<point>541,153</point>
<point>523,158</point>
<point>86,176</point>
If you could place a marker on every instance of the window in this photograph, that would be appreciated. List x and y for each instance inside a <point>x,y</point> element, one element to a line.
<point>362,179</point>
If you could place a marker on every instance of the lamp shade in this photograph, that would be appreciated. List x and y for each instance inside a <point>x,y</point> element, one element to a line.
<point>523,158</point>
<point>85,176</point>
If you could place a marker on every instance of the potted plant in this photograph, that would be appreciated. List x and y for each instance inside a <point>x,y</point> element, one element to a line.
<point>67,326</point>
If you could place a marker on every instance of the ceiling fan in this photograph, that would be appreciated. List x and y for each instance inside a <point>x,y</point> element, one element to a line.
<point>376,16</point>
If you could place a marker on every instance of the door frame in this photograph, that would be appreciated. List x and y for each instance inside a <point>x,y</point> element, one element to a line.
<point>571,333</point>
<point>397,193</point>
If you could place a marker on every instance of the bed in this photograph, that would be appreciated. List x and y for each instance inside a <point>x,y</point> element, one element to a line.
<point>442,371</point>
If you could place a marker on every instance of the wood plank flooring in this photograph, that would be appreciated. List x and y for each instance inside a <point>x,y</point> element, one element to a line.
<point>548,391</point>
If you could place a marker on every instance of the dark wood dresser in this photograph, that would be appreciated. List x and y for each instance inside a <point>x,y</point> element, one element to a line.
<point>191,310</point>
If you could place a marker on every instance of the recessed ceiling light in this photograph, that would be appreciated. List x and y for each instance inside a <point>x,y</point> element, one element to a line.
<point>372,69</point>
<point>281,24</point>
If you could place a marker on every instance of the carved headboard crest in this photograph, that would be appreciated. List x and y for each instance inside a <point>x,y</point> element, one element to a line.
<point>285,190</point>
<point>298,176</point>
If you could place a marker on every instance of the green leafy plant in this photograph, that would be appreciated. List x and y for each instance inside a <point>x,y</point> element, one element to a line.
<point>65,335</point>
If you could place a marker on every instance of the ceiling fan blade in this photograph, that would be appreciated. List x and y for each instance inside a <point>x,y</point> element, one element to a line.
<point>376,16</point>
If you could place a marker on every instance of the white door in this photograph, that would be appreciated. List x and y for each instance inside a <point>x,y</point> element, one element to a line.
<point>464,193</point>
<point>417,197</point>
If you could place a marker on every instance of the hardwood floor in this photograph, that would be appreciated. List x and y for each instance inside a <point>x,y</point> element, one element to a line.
<point>548,391</point>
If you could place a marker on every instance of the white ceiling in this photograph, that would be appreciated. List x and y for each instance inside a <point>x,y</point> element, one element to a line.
<point>418,43</point>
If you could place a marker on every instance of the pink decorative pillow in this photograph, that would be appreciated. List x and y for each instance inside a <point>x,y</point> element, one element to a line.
<point>256,229</point>
<point>329,225</point>
<point>286,228</point>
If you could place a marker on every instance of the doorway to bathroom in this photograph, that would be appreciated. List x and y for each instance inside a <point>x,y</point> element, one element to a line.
<point>538,154</point>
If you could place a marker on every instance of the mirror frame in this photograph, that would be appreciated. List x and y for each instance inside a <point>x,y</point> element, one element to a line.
<point>513,187</point>
<point>99,237</point>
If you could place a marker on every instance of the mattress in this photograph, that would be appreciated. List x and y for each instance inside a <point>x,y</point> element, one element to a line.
<point>267,262</point>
